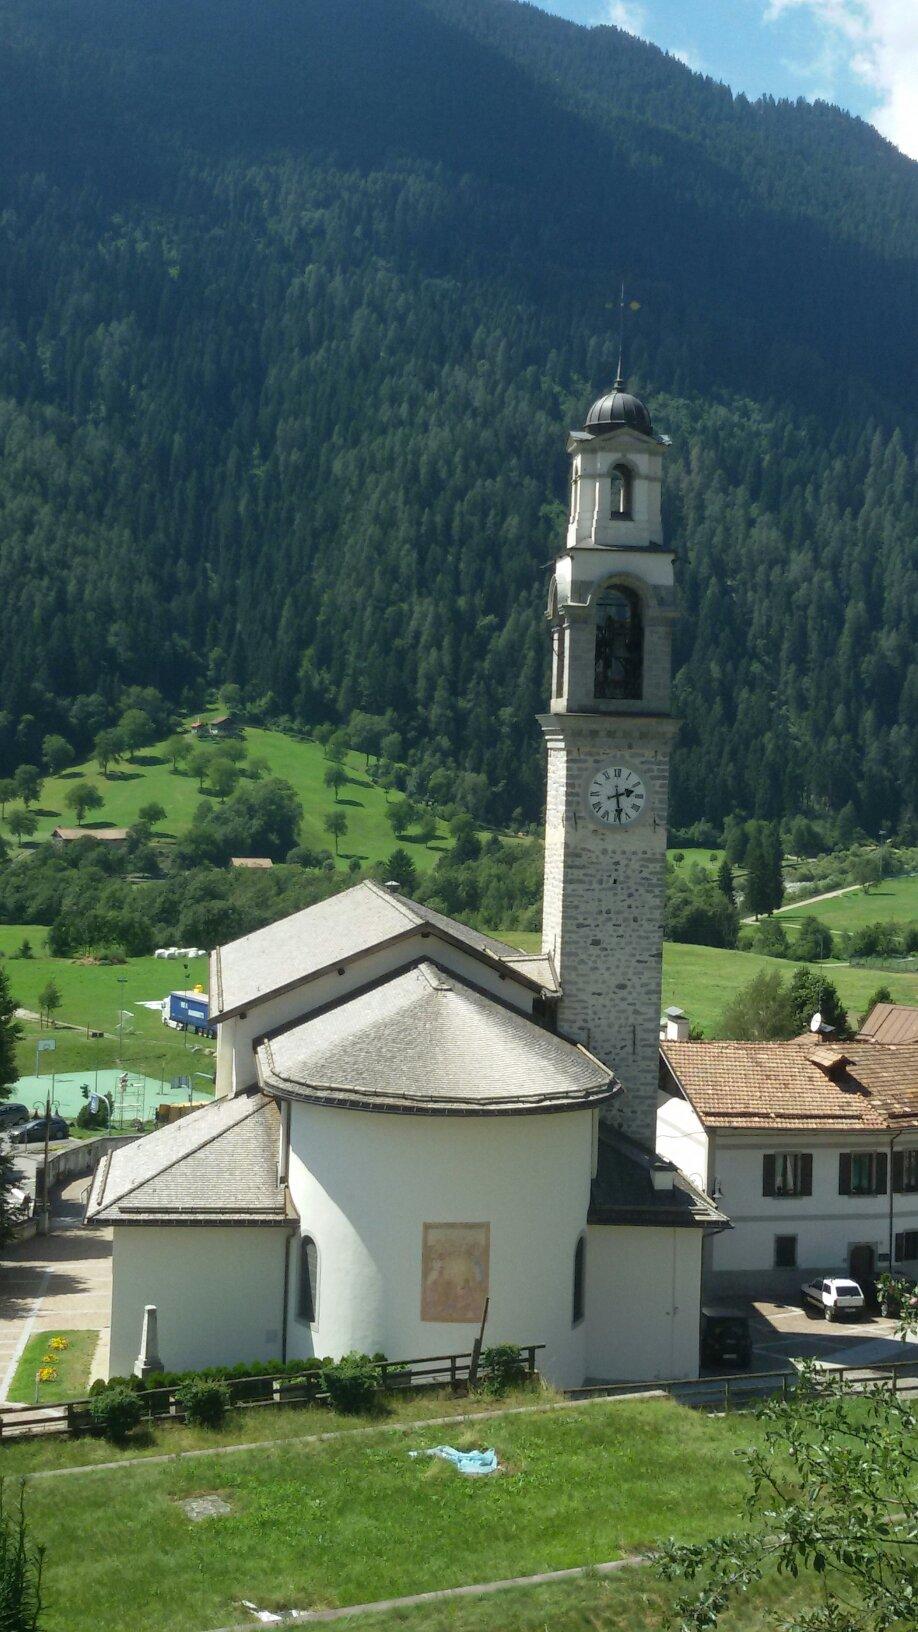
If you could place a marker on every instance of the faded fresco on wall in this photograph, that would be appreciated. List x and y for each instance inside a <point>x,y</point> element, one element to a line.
<point>454,1271</point>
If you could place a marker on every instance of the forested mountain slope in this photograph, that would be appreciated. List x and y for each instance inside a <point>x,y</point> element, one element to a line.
<point>297,301</point>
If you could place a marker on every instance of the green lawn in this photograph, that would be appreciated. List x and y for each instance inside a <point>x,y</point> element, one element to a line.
<point>358,1519</point>
<point>710,860</point>
<point>151,777</point>
<point>703,979</point>
<point>895,899</point>
<point>71,1364</point>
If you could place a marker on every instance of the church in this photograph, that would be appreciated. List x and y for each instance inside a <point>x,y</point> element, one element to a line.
<point>413,1120</point>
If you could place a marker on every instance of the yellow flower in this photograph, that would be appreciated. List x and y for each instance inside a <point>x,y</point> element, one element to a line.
<point>47,1374</point>
<point>57,1344</point>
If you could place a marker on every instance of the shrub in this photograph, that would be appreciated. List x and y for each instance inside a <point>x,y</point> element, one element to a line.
<point>503,1368</point>
<point>351,1383</point>
<point>204,1403</point>
<point>114,1412</point>
<point>20,1570</point>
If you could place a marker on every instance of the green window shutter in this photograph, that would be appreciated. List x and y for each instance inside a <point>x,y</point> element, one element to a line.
<point>899,1253</point>
<point>768,1175</point>
<point>806,1174</point>
<point>881,1168</point>
<point>844,1173</point>
<point>898,1172</point>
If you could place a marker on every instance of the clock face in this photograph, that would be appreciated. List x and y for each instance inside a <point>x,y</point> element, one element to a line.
<point>616,796</point>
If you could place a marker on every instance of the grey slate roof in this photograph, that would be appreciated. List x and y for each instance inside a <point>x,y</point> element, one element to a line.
<point>218,1165</point>
<point>623,1190</point>
<point>305,944</point>
<point>424,1041</point>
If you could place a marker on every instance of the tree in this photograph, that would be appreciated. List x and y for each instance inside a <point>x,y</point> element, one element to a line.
<point>177,748</point>
<point>82,796</point>
<point>258,767</point>
<point>814,941</point>
<point>846,827</point>
<point>199,765</point>
<point>867,871</point>
<point>401,815</point>
<point>335,777</point>
<point>22,822</point>
<point>109,746</point>
<point>152,813</point>
<point>725,881</point>
<point>761,1011</point>
<point>832,1497</point>
<point>49,1000</point>
<point>7,792</point>
<point>57,754</point>
<point>400,868</point>
<point>136,730</point>
<point>28,783</point>
<point>426,826</point>
<point>770,938</point>
<point>222,775</point>
<point>811,993</point>
<point>336,824</point>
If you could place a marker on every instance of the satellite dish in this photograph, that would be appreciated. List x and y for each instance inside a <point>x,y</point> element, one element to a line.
<point>816,1022</point>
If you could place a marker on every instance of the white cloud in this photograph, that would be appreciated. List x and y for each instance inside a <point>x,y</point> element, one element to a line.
<point>690,57</point>
<point>878,40</point>
<point>627,14</point>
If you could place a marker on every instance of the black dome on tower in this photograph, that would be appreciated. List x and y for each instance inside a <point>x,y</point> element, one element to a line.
<point>616,409</point>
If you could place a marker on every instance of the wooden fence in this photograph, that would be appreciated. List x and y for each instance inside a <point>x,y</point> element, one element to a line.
<point>304,1388</point>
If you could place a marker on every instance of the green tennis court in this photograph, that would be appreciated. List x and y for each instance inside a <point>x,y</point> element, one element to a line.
<point>136,1100</point>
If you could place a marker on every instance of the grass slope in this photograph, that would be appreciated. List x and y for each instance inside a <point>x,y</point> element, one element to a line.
<point>703,979</point>
<point>896,900</point>
<point>150,777</point>
<point>358,1519</point>
<point>72,1366</point>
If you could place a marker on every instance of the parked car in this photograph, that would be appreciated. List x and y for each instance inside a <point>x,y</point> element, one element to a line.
<point>726,1338</point>
<point>834,1296</point>
<point>12,1115</point>
<point>34,1131</point>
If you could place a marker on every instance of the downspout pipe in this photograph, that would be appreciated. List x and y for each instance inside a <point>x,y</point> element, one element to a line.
<point>895,1136</point>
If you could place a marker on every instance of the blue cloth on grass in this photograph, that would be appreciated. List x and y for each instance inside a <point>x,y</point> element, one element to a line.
<point>472,1462</point>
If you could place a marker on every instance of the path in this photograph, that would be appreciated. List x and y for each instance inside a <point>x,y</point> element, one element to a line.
<point>807,901</point>
<point>56,1282</point>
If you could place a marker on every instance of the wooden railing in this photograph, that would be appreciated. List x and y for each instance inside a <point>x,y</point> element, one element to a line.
<point>300,1388</point>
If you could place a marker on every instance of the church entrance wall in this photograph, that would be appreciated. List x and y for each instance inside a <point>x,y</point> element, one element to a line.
<point>642,1299</point>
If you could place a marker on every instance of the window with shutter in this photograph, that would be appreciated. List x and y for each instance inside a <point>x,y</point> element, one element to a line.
<point>906,1246</point>
<point>844,1173</point>
<point>768,1175</point>
<point>806,1174</point>
<point>579,1300</point>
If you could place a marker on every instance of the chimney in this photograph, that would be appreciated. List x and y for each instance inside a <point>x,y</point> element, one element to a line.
<point>674,1026</point>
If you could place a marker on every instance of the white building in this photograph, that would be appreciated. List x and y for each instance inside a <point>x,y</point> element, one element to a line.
<point>412,1117</point>
<point>811,1148</point>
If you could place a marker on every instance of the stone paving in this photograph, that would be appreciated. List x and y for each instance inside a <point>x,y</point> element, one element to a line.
<point>56,1282</point>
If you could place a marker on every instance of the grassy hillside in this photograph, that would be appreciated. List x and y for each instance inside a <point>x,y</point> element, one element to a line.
<point>702,980</point>
<point>895,899</point>
<point>130,785</point>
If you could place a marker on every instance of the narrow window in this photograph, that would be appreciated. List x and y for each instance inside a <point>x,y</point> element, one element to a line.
<point>579,1299</point>
<point>905,1170</point>
<point>785,1252</point>
<point>906,1246</point>
<point>560,633</point>
<point>619,652</point>
<point>574,486</point>
<point>309,1280</point>
<point>620,483</point>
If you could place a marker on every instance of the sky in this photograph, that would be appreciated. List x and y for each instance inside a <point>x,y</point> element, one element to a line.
<point>861,54</point>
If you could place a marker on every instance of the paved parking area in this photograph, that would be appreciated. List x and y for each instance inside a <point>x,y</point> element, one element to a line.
<point>55,1282</point>
<point>782,1332</point>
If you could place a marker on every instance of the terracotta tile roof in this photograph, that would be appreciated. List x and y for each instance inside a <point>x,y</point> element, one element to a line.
<point>891,1024</point>
<point>794,1085</point>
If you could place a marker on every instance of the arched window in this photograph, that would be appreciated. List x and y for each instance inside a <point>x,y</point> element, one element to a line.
<point>308,1291</point>
<point>620,483</point>
<point>559,641</point>
<point>619,655</point>
<point>579,1298</point>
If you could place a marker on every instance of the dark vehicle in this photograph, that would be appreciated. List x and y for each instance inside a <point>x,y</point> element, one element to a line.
<point>33,1132</point>
<point>726,1340</point>
<point>12,1115</point>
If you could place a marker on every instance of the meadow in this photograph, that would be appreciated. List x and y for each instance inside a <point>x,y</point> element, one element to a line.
<point>358,1519</point>
<point>702,980</point>
<point>894,900</point>
<point>150,777</point>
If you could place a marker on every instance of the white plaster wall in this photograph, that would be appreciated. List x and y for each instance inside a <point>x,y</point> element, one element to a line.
<point>826,1224</point>
<point>682,1139</point>
<point>643,1302</point>
<point>365,1183</point>
<point>219,1294</point>
<point>235,1058</point>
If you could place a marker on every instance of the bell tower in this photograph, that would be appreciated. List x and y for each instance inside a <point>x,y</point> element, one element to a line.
<point>609,736</point>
